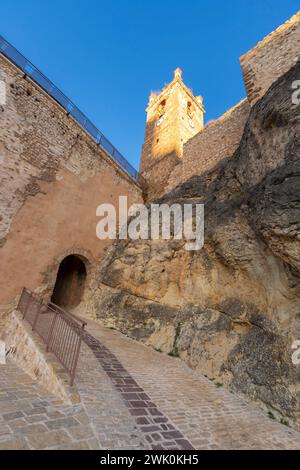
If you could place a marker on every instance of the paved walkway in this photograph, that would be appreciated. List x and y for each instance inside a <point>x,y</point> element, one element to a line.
<point>156,428</point>
<point>31,418</point>
<point>207,416</point>
<point>108,415</point>
<point>132,398</point>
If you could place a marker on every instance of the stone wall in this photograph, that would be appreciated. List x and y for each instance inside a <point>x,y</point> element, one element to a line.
<point>158,175</point>
<point>27,350</point>
<point>216,142</point>
<point>271,58</point>
<point>52,177</point>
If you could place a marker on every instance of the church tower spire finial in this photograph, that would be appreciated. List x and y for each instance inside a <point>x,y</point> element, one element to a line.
<point>178,73</point>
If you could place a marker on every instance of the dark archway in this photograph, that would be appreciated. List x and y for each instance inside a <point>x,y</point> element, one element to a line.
<point>70,282</point>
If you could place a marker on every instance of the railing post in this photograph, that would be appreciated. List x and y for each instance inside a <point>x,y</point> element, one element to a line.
<point>20,299</point>
<point>37,314</point>
<point>76,357</point>
<point>27,304</point>
<point>51,331</point>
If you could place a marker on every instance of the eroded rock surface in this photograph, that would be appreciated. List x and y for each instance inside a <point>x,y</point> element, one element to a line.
<point>230,310</point>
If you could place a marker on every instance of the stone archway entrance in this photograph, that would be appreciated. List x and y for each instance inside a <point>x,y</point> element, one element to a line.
<point>70,282</point>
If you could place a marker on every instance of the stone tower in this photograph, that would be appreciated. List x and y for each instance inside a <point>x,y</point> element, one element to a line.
<point>173,117</point>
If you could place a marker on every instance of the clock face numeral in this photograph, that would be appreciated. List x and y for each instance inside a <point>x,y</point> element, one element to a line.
<point>191,123</point>
<point>159,121</point>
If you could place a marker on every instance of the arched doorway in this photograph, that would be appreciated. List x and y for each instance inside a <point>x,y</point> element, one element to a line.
<point>70,282</point>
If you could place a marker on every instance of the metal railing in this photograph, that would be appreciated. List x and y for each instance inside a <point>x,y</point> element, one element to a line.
<point>60,330</point>
<point>31,71</point>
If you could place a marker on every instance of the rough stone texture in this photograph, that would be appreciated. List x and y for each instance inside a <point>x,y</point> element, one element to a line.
<point>216,142</point>
<point>208,415</point>
<point>271,58</point>
<point>155,428</point>
<point>234,305</point>
<point>157,176</point>
<point>114,426</point>
<point>28,351</point>
<point>32,418</point>
<point>53,177</point>
<point>199,153</point>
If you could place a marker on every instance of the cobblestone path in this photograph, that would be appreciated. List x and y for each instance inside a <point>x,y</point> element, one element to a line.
<point>132,397</point>
<point>159,432</point>
<point>30,418</point>
<point>207,416</point>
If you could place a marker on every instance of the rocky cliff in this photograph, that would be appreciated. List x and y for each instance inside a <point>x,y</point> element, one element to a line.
<point>230,310</point>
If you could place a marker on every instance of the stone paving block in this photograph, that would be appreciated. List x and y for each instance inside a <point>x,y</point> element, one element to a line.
<point>184,444</point>
<point>16,443</point>
<point>62,423</point>
<point>54,414</point>
<point>17,423</point>
<point>36,419</point>
<point>13,415</point>
<point>142,421</point>
<point>81,432</point>
<point>32,429</point>
<point>11,406</point>
<point>79,445</point>
<point>150,429</point>
<point>4,431</point>
<point>94,444</point>
<point>40,403</point>
<point>35,411</point>
<point>48,439</point>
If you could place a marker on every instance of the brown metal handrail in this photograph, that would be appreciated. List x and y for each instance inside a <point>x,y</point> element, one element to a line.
<point>60,330</point>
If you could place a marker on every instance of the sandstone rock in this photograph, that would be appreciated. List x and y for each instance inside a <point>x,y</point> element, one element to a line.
<point>230,310</point>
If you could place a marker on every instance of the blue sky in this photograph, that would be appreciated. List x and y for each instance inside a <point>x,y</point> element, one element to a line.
<point>108,55</point>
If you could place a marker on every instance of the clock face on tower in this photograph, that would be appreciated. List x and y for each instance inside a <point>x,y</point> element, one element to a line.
<point>191,123</point>
<point>159,121</point>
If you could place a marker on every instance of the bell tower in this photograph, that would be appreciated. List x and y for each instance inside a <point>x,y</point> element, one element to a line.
<point>173,116</point>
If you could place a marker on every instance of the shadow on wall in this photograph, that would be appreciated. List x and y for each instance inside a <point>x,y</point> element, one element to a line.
<point>70,282</point>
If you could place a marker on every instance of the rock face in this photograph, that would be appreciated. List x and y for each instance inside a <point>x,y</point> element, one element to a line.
<point>230,310</point>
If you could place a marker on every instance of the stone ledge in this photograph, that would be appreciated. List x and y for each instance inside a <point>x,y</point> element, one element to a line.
<point>28,351</point>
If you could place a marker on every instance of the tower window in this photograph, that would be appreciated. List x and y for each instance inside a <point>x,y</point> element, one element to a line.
<point>190,110</point>
<point>161,108</point>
